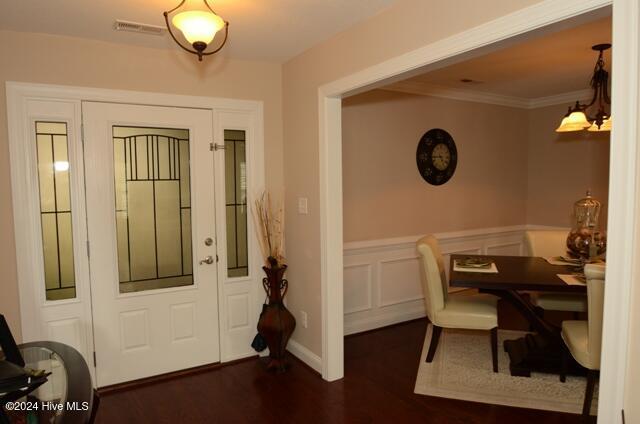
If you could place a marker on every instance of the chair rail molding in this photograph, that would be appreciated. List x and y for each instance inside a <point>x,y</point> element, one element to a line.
<point>623,196</point>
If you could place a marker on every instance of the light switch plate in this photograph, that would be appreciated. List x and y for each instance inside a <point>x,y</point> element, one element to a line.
<point>303,206</point>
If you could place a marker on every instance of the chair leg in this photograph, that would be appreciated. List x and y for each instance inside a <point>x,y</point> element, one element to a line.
<point>564,364</point>
<point>435,336</point>
<point>494,348</point>
<point>588,395</point>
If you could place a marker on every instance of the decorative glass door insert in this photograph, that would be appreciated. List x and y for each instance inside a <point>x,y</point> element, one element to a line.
<point>55,209</point>
<point>236,202</point>
<point>153,207</point>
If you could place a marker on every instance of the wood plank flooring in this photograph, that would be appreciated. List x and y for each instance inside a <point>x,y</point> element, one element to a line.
<point>380,371</point>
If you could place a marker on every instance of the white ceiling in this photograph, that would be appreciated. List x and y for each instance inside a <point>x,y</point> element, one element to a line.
<point>532,70</point>
<point>272,30</point>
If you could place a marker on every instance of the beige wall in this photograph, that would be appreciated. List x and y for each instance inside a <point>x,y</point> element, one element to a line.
<point>69,61</point>
<point>513,168</point>
<point>406,25</point>
<point>562,167</point>
<point>384,194</point>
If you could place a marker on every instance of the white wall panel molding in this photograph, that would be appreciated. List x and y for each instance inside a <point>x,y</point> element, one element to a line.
<point>393,293</point>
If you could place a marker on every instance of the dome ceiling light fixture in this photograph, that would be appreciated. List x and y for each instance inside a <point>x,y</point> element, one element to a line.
<point>199,28</point>
<point>576,118</point>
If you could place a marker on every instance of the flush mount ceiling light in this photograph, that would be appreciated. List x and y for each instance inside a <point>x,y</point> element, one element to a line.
<point>199,27</point>
<point>576,118</point>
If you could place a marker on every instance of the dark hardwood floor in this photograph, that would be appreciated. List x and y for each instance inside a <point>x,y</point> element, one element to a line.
<point>380,371</point>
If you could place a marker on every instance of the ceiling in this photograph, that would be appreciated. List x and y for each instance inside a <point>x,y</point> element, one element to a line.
<point>546,66</point>
<point>271,30</point>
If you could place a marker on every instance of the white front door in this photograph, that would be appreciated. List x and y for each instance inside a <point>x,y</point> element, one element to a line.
<point>151,225</point>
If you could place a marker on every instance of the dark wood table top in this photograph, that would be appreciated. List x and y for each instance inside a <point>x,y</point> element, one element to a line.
<point>515,273</point>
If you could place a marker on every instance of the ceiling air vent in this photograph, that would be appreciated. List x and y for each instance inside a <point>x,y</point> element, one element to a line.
<point>138,27</point>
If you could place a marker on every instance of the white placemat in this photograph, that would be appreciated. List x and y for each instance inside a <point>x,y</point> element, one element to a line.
<point>491,270</point>
<point>557,260</point>
<point>571,280</point>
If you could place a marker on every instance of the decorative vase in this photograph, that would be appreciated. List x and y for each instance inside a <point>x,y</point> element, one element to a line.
<point>276,323</point>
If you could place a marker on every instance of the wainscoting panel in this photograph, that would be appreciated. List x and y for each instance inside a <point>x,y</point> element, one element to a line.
<point>399,281</point>
<point>358,292</point>
<point>382,277</point>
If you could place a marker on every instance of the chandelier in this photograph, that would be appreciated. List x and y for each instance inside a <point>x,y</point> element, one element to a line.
<point>576,118</point>
<point>199,28</point>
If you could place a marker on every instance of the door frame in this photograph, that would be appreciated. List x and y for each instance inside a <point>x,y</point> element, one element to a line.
<point>227,113</point>
<point>623,197</point>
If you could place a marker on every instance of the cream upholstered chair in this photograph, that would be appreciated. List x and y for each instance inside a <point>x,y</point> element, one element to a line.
<point>444,311</point>
<point>584,338</point>
<point>547,243</point>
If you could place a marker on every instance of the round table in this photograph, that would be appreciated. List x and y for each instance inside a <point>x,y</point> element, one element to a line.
<point>67,397</point>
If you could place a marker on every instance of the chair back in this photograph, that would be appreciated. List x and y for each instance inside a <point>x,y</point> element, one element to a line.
<point>595,293</point>
<point>546,243</point>
<point>434,280</point>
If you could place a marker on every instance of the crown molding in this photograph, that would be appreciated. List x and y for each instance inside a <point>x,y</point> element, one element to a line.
<point>433,90</point>
<point>568,97</point>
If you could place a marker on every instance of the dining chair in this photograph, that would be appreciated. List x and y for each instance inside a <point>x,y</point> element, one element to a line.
<point>477,312</point>
<point>583,339</point>
<point>547,243</point>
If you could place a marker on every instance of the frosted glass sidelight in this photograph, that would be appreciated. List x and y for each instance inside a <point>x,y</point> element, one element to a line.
<point>236,202</point>
<point>55,210</point>
<point>153,208</point>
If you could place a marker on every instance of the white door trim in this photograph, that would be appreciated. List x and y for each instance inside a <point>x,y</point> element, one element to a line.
<point>622,196</point>
<point>624,203</point>
<point>20,94</point>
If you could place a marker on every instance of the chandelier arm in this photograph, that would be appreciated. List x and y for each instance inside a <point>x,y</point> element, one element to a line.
<point>226,34</point>
<point>209,7</point>
<point>593,100</point>
<point>176,8</point>
<point>166,19</point>
<point>605,90</point>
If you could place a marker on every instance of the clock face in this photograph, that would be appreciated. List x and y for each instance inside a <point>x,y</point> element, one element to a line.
<point>436,156</point>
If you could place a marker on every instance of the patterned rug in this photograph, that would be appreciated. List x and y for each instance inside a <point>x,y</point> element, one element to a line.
<point>461,369</point>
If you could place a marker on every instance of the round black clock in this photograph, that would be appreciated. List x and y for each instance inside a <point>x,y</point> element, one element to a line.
<point>436,156</point>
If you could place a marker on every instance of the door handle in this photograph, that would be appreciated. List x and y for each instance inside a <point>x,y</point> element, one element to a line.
<point>207,260</point>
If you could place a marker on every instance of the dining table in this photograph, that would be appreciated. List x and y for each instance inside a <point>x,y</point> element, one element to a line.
<point>540,350</point>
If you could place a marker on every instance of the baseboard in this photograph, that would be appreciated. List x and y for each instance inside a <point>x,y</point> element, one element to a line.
<point>305,355</point>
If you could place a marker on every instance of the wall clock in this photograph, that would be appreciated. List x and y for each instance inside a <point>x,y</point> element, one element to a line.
<point>436,156</point>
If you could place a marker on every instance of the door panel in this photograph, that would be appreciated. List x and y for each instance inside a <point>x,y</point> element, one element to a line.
<point>150,206</point>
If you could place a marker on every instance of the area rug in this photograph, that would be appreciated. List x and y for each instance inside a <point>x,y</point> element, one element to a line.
<point>461,369</point>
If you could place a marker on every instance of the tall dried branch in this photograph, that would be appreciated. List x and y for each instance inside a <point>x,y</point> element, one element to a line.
<point>270,228</point>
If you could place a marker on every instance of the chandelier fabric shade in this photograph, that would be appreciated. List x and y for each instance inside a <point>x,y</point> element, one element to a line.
<point>199,28</point>
<point>577,118</point>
